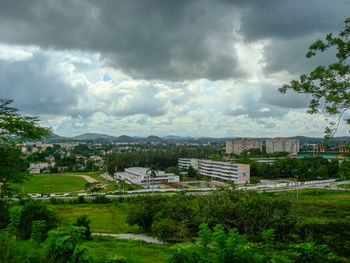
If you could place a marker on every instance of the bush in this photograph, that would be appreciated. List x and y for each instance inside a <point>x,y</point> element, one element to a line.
<point>4,214</point>
<point>81,200</point>
<point>254,180</point>
<point>84,221</point>
<point>101,199</point>
<point>63,245</point>
<point>22,218</point>
<point>53,200</point>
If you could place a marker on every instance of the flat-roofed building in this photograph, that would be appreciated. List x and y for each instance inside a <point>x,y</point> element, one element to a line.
<point>282,144</point>
<point>184,163</point>
<point>237,146</point>
<point>139,176</point>
<point>229,171</point>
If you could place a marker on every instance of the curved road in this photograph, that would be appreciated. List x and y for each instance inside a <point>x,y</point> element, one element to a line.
<point>138,237</point>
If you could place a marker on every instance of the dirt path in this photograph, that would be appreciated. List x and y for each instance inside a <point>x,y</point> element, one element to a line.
<point>86,177</point>
<point>137,237</point>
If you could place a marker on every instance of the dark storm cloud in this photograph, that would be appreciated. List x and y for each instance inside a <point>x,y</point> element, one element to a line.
<point>168,40</point>
<point>288,19</point>
<point>35,87</point>
<point>156,39</point>
<point>271,96</point>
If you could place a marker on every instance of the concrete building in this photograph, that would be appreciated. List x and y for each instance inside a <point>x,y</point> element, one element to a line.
<point>184,163</point>
<point>282,145</point>
<point>237,146</point>
<point>229,171</point>
<point>139,176</point>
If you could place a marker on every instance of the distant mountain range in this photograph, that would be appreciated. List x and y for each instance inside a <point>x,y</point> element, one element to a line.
<point>103,138</point>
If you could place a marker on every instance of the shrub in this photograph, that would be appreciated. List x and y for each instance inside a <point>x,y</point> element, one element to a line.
<point>4,214</point>
<point>63,245</point>
<point>84,221</point>
<point>22,218</point>
<point>101,199</point>
<point>53,201</point>
<point>81,200</point>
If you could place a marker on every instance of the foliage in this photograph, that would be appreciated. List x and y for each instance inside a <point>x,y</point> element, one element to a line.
<point>176,218</point>
<point>22,218</point>
<point>143,213</point>
<point>38,230</point>
<point>162,157</point>
<point>18,127</point>
<point>328,85</point>
<point>101,199</point>
<point>15,128</point>
<point>4,214</point>
<point>254,180</point>
<point>93,187</point>
<point>219,246</point>
<point>191,172</point>
<point>305,168</point>
<point>85,222</point>
<point>64,245</point>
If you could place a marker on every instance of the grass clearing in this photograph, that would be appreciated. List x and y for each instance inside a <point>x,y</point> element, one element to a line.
<point>315,205</point>
<point>105,218</point>
<point>52,183</point>
<point>103,248</point>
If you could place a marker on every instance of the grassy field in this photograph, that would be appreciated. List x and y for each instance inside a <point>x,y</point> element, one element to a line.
<point>52,183</point>
<point>105,218</point>
<point>321,205</point>
<point>134,251</point>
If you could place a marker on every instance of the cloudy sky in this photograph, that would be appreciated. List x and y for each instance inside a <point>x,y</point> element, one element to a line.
<point>185,67</point>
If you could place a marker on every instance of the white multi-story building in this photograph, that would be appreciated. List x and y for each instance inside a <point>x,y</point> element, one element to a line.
<point>237,146</point>
<point>139,176</point>
<point>229,171</point>
<point>282,145</point>
<point>184,163</point>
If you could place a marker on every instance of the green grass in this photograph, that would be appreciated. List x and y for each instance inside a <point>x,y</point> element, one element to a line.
<point>134,251</point>
<point>105,218</point>
<point>320,205</point>
<point>52,183</point>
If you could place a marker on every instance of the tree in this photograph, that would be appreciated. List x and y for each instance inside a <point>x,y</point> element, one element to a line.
<point>93,187</point>
<point>15,128</point>
<point>191,172</point>
<point>329,87</point>
<point>152,173</point>
<point>85,222</point>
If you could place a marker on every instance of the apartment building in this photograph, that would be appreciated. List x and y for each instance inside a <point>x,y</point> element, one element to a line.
<point>282,144</point>
<point>237,146</point>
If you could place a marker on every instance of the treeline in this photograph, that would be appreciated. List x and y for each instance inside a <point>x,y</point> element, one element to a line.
<point>229,223</point>
<point>303,169</point>
<point>161,157</point>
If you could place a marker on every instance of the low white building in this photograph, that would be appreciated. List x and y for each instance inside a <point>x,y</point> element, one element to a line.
<point>139,176</point>
<point>229,171</point>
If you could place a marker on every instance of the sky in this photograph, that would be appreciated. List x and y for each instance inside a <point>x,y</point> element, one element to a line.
<point>164,67</point>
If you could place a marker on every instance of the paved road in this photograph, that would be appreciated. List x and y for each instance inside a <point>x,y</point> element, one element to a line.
<point>138,237</point>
